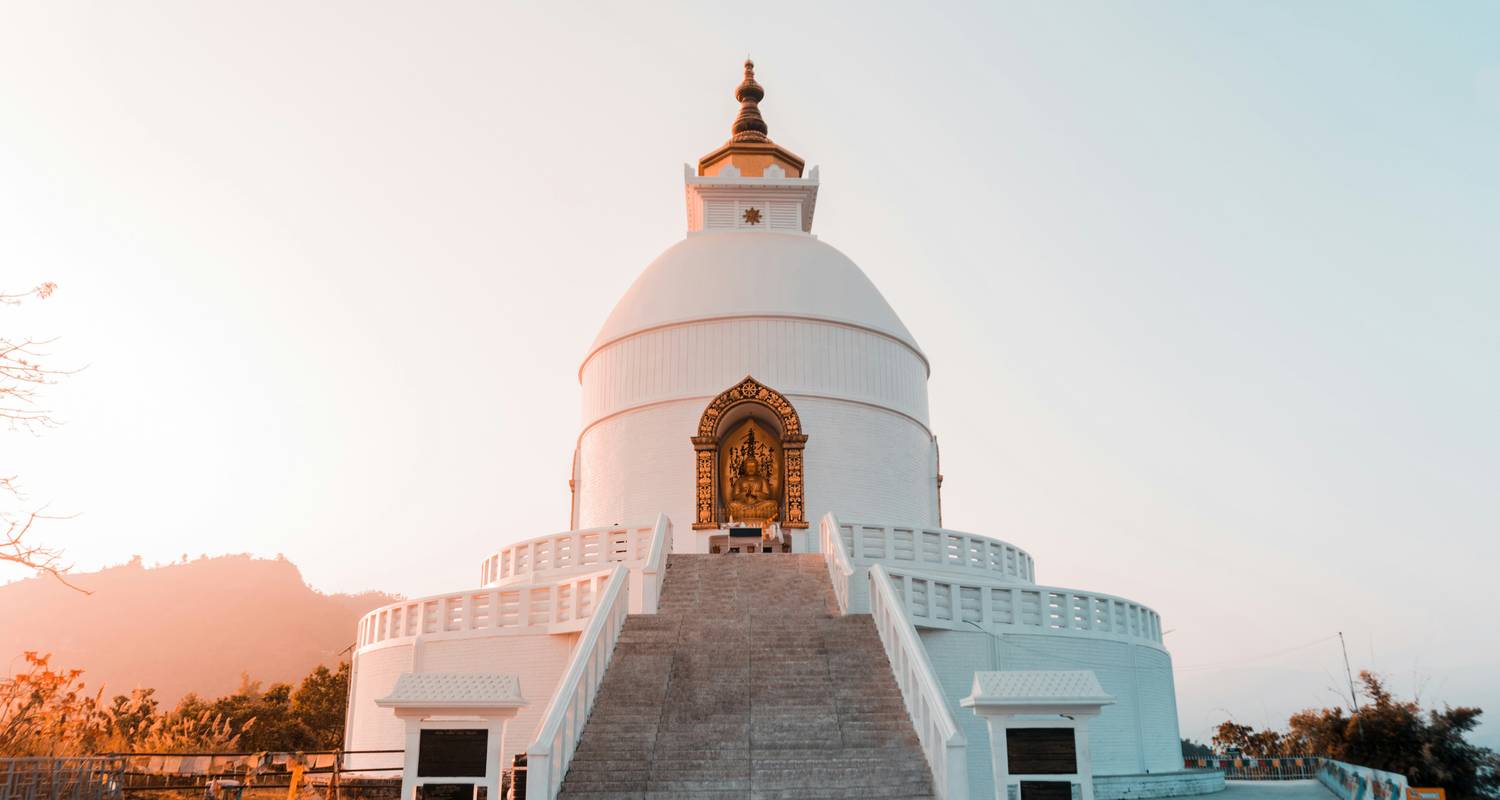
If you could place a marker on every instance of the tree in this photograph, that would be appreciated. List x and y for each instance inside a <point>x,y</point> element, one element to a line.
<point>1192,749</point>
<point>1429,747</point>
<point>1245,740</point>
<point>47,712</point>
<point>320,702</point>
<point>22,377</point>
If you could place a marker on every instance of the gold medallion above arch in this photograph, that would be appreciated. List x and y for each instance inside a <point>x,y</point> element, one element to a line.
<point>749,459</point>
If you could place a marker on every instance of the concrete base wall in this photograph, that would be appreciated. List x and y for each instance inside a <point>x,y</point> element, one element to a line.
<point>1158,784</point>
<point>538,660</point>
<point>1135,735</point>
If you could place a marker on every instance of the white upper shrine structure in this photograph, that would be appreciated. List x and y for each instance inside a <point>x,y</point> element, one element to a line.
<point>753,397</point>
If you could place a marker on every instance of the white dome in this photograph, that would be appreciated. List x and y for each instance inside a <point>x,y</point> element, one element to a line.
<point>751,274</point>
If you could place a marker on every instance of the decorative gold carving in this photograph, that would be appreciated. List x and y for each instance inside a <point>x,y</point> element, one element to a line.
<point>780,479</point>
<point>705,488</point>
<point>794,510</point>
<point>752,216</point>
<point>747,390</point>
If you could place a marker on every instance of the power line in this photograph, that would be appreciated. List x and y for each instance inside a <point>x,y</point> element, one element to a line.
<point>1272,654</point>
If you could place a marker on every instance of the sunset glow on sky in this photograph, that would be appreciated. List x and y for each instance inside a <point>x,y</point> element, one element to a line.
<point>1211,293</point>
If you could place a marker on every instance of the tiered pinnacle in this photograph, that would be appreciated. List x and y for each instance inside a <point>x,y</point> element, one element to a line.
<point>750,153</point>
<point>749,126</point>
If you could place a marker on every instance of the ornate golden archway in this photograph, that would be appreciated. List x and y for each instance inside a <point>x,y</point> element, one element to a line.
<point>711,475</point>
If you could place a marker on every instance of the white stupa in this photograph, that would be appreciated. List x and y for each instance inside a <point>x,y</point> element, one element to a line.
<point>754,395</point>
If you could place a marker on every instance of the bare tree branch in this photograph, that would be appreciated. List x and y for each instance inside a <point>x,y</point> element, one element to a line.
<point>22,376</point>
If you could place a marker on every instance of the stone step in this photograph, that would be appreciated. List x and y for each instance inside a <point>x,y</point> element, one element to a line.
<point>842,792</point>
<point>744,685</point>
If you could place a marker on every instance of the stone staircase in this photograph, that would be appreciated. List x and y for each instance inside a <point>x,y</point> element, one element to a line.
<point>747,685</point>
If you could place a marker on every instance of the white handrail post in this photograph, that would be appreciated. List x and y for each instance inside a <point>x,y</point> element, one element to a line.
<point>837,558</point>
<point>654,570</point>
<point>943,744</point>
<point>538,773</point>
<point>562,723</point>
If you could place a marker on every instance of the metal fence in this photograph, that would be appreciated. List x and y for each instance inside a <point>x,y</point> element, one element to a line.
<point>87,778</point>
<point>225,776</point>
<point>1252,768</point>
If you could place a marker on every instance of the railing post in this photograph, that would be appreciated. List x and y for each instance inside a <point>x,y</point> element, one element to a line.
<point>538,775</point>
<point>956,769</point>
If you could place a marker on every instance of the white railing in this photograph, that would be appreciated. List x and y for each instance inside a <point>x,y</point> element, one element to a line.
<point>549,754</point>
<point>935,602</point>
<point>936,548</point>
<point>942,743</point>
<point>529,561</point>
<point>645,580</point>
<point>837,558</point>
<point>554,608</point>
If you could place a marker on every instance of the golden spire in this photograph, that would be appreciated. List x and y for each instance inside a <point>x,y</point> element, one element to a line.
<point>749,126</point>
<point>750,152</point>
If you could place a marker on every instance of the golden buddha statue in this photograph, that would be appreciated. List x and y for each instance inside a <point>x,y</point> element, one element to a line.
<point>752,496</point>
<point>752,490</point>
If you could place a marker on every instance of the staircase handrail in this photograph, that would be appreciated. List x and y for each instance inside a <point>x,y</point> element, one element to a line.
<point>655,569</point>
<point>942,742</point>
<point>837,557</point>
<point>551,751</point>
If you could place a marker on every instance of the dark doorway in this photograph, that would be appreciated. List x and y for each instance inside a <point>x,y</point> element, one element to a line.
<point>1041,751</point>
<point>1046,790</point>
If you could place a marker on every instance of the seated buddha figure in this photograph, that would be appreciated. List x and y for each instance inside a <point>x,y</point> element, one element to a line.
<point>752,497</point>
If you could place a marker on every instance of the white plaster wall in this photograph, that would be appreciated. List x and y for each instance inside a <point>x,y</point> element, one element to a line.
<point>860,461</point>
<point>956,656</point>
<point>793,356</point>
<point>1137,734</point>
<point>1185,783</point>
<point>371,727</point>
<point>539,661</point>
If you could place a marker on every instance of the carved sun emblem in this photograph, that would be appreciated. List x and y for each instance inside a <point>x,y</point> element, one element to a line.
<point>752,216</point>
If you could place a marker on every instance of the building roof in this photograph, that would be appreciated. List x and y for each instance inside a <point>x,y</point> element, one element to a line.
<point>454,690</point>
<point>1039,687</point>
<point>751,274</point>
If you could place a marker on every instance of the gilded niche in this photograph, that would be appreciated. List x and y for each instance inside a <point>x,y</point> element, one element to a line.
<point>749,470</point>
<point>753,468</point>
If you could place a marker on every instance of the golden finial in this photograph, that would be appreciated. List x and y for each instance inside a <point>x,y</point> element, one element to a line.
<point>749,126</point>
<point>750,153</point>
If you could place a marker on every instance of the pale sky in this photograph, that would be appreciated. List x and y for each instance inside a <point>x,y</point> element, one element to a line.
<point>1211,292</point>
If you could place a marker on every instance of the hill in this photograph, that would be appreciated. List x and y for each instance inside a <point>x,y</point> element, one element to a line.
<point>187,627</point>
